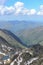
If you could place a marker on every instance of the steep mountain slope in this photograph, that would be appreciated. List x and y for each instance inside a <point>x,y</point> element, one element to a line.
<point>32,36</point>
<point>9,39</point>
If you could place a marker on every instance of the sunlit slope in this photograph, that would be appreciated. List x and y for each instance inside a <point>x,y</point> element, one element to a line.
<point>11,39</point>
<point>32,36</point>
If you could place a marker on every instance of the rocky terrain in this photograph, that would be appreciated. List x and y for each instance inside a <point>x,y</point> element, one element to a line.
<point>14,52</point>
<point>30,56</point>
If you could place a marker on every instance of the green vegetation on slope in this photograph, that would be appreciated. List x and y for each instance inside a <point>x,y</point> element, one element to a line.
<point>32,36</point>
<point>11,39</point>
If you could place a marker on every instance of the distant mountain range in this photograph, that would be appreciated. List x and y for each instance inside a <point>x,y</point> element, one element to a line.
<point>15,26</point>
<point>23,29</point>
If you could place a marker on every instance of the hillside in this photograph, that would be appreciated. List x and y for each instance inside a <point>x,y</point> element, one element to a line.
<point>32,36</point>
<point>9,39</point>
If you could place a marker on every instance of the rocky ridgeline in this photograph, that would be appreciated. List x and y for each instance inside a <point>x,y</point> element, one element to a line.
<point>28,56</point>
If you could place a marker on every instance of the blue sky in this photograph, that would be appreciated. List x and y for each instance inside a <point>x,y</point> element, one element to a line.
<point>28,3</point>
<point>21,10</point>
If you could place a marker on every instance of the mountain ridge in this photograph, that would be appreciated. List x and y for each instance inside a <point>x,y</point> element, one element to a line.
<point>11,38</point>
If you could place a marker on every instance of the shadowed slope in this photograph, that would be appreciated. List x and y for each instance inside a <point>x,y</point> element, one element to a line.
<point>10,39</point>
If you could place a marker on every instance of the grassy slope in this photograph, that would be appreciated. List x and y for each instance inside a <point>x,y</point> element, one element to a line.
<point>14,41</point>
<point>32,36</point>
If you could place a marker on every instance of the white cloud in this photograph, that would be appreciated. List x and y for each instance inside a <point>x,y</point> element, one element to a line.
<point>18,4</point>
<point>41,10</point>
<point>41,7</point>
<point>4,10</point>
<point>25,11</point>
<point>32,11</point>
<point>40,13</point>
<point>9,10</point>
<point>18,8</point>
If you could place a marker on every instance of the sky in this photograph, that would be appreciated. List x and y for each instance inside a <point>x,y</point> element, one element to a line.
<point>21,10</point>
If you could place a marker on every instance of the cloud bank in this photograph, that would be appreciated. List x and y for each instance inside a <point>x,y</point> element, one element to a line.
<point>41,10</point>
<point>18,9</point>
